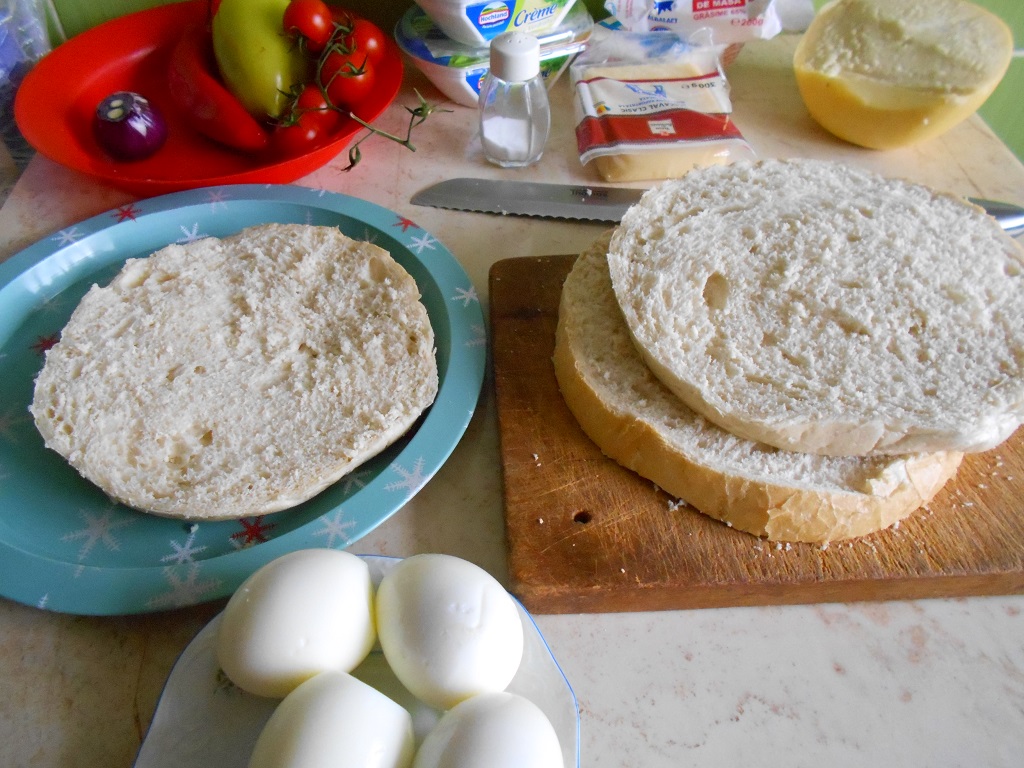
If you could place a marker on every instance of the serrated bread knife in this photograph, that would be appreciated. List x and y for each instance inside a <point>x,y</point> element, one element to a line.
<point>590,202</point>
<point>530,198</point>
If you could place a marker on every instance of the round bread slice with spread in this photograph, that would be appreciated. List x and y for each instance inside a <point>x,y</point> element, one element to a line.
<point>639,423</point>
<point>820,308</point>
<point>235,377</point>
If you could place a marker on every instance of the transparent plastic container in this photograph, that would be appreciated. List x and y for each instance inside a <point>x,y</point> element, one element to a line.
<point>515,116</point>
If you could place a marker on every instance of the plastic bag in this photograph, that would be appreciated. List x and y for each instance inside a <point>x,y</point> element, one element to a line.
<point>729,21</point>
<point>23,41</point>
<point>653,106</point>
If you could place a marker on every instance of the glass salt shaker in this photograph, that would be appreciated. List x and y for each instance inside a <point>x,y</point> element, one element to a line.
<point>515,117</point>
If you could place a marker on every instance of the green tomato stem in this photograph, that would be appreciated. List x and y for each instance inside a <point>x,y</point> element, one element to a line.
<point>418,116</point>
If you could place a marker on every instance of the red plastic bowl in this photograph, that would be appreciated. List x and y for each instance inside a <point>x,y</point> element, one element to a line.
<point>56,101</point>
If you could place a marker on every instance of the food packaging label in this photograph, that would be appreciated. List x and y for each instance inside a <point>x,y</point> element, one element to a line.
<point>652,106</point>
<point>476,22</point>
<point>729,21</point>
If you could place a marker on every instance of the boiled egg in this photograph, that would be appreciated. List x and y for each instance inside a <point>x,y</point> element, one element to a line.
<point>307,612</point>
<point>375,671</point>
<point>448,629</point>
<point>492,730</point>
<point>334,720</point>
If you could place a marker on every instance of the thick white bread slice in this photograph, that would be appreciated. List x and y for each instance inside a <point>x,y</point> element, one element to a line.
<point>236,377</point>
<point>824,309</point>
<point>636,421</point>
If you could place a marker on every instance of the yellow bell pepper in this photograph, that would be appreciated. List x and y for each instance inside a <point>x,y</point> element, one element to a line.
<point>257,60</point>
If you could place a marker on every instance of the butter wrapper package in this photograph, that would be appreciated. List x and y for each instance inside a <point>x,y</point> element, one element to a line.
<point>653,106</point>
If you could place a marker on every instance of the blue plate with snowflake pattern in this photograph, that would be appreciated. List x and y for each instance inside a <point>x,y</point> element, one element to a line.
<point>65,546</point>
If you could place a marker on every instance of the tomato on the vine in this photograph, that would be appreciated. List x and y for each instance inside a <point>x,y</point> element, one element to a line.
<point>346,48</point>
<point>367,38</point>
<point>314,106</point>
<point>307,123</point>
<point>343,17</point>
<point>348,78</point>
<point>311,21</point>
<point>294,140</point>
<point>358,35</point>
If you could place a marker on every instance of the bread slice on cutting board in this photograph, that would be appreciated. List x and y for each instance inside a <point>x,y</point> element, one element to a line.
<point>237,377</point>
<point>642,425</point>
<point>824,309</point>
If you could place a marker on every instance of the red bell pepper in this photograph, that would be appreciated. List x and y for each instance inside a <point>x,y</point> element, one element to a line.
<point>205,101</point>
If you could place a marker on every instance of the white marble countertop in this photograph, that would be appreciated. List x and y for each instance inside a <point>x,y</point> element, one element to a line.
<point>922,683</point>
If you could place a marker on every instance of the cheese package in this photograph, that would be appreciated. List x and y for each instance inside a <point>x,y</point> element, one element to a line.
<point>653,106</point>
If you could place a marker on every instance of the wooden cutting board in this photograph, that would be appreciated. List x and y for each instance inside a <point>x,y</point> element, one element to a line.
<point>586,535</point>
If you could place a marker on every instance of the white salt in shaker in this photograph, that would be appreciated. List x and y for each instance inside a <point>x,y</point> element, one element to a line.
<point>515,117</point>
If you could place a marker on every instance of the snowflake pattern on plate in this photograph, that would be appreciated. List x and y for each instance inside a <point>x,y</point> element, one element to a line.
<point>65,547</point>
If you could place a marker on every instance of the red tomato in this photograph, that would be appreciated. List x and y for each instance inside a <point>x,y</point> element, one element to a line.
<point>307,124</point>
<point>357,35</point>
<point>367,38</point>
<point>343,17</point>
<point>348,78</point>
<point>310,20</point>
<point>294,140</point>
<point>313,105</point>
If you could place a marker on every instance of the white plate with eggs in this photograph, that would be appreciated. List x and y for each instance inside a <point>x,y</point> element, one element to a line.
<point>203,720</point>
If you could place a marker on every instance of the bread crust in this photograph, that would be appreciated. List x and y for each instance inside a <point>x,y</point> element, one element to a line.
<point>782,502</point>
<point>238,377</point>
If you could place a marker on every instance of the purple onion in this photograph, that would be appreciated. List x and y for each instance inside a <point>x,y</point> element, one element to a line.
<point>128,127</point>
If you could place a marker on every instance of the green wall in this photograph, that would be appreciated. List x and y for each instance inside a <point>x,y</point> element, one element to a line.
<point>1004,110</point>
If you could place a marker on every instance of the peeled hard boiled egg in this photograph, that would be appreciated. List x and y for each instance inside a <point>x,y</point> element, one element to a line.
<point>448,629</point>
<point>306,612</point>
<point>492,730</point>
<point>334,720</point>
<point>376,672</point>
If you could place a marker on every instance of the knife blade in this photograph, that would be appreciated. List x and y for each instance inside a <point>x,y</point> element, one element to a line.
<point>1009,216</point>
<point>592,202</point>
<point>530,198</point>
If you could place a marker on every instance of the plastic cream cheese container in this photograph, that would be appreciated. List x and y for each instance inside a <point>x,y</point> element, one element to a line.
<point>456,69</point>
<point>474,23</point>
